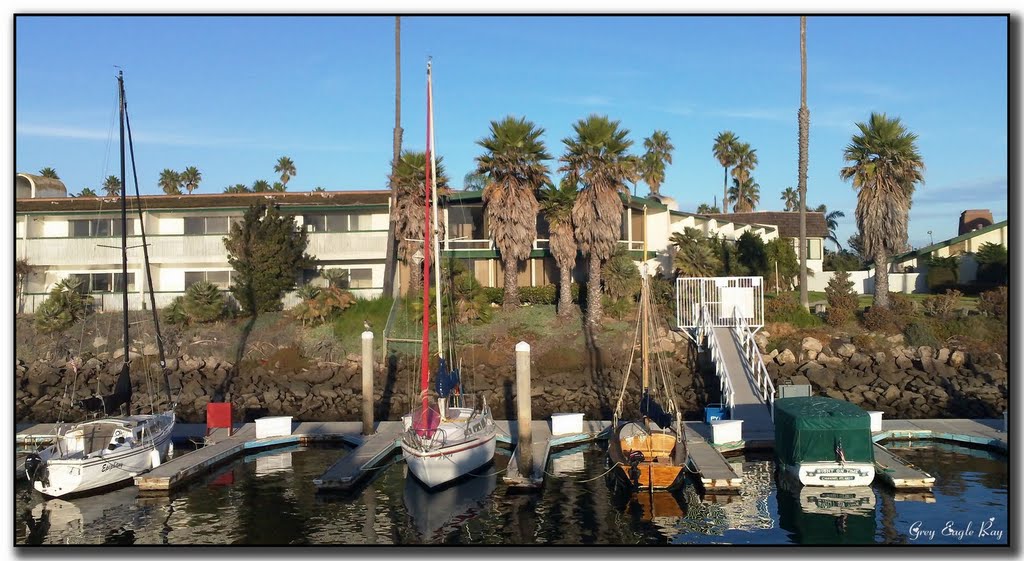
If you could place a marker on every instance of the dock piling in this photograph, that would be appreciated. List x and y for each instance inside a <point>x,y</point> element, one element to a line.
<point>524,412</point>
<point>367,382</point>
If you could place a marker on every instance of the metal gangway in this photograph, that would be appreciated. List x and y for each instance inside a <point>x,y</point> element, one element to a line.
<point>721,315</point>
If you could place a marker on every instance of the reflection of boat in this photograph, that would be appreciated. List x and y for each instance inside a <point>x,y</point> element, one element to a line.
<point>444,443</point>
<point>99,453</point>
<point>815,519</point>
<point>824,442</point>
<point>434,510</point>
<point>650,452</point>
<point>829,500</point>
<point>79,520</point>
<point>645,504</point>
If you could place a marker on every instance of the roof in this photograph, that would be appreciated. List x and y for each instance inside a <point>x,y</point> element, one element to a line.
<point>42,183</point>
<point>787,222</point>
<point>928,249</point>
<point>205,201</point>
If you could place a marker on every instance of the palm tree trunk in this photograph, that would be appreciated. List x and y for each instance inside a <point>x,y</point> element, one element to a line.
<point>565,291</point>
<point>881,279</point>
<point>594,290</point>
<point>511,300</point>
<point>396,147</point>
<point>415,279</point>
<point>725,190</point>
<point>804,123</point>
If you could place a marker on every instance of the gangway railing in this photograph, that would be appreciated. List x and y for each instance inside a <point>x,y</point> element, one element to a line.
<point>755,363</point>
<point>707,334</point>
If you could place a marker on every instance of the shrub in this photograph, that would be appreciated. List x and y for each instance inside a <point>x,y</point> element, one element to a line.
<point>993,262</point>
<point>942,306</point>
<point>621,276</point>
<point>538,294</point>
<point>993,302</point>
<point>493,294</point>
<point>943,273</point>
<point>307,291</point>
<point>902,306</point>
<point>882,320</point>
<point>618,308</point>
<point>919,333</point>
<point>203,302</point>
<point>63,307</point>
<point>328,303</point>
<point>174,313</point>
<point>842,300</point>
<point>784,308</point>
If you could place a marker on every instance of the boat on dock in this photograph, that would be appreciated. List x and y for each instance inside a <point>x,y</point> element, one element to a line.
<point>824,442</point>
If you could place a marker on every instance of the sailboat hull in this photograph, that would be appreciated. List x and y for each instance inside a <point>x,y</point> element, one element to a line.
<point>98,454</point>
<point>462,443</point>
<point>664,457</point>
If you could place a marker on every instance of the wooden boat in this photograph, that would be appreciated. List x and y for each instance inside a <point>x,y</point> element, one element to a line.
<point>824,442</point>
<point>442,443</point>
<point>97,454</point>
<point>650,452</point>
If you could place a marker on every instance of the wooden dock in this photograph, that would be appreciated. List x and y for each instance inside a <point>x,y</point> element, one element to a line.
<point>543,443</point>
<point>360,463</point>
<point>899,474</point>
<point>986,433</point>
<point>709,466</point>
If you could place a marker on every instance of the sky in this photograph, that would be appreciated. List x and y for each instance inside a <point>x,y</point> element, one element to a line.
<point>230,95</point>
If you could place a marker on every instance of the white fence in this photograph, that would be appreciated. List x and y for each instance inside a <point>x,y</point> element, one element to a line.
<point>725,298</point>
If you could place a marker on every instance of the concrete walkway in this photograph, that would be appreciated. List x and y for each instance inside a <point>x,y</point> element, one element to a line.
<point>748,404</point>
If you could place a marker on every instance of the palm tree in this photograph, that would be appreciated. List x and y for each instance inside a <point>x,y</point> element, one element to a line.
<point>278,186</point>
<point>190,178</point>
<point>49,172</point>
<point>396,149</point>
<point>170,182</point>
<point>237,188</point>
<point>746,161</point>
<point>474,181</point>
<point>694,257</point>
<point>832,222</point>
<point>87,192</point>
<point>884,166</point>
<point>286,167</point>
<point>724,150</point>
<point>557,203</point>
<point>658,154</point>
<point>705,208</point>
<point>410,227</point>
<point>260,186</point>
<point>744,196</point>
<point>112,185</point>
<point>513,162</point>
<point>596,158</point>
<point>804,122</point>
<point>319,189</point>
<point>791,198</point>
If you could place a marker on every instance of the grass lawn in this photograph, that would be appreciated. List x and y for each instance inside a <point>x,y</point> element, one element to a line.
<point>968,302</point>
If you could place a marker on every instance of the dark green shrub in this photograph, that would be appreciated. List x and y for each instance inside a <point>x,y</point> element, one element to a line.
<point>174,313</point>
<point>993,263</point>
<point>842,300</point>
<point>919,333</point>
<point>752,254</point>
<point>203,302</point>
<point>493,294</point>
<point>538,294</point>
<point>943,274</point>
<point>63,307</point>
<point>621,276</point>
<point>785,308</point>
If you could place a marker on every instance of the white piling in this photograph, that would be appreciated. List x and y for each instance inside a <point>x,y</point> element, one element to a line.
<point>525,414</point>
<point>367,383</point>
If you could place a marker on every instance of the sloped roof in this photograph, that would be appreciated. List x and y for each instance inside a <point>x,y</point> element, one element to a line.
<point>928,249</point>
<point>43,183</point>
<point>205,201</point>
<point>788,223</point>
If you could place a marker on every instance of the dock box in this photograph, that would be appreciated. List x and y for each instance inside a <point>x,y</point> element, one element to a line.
<point>714,412</point>
<point>566,423</point>
<point>723,432</point>
<point>267,427</point>
<point>876,421</point>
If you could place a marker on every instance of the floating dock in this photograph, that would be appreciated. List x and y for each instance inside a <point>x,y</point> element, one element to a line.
<point>358,464</point>
<point>707,464</point>
<point>543,443</point>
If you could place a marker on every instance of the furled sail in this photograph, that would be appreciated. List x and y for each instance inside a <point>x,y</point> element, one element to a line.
<point>111,404</point>
<point>447,380</point>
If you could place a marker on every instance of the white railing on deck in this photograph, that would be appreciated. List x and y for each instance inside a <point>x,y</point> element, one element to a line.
<point>754,364</point>
<point>706,331</point>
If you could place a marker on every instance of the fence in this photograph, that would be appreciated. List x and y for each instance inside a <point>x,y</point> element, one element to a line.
<point>723,297</point>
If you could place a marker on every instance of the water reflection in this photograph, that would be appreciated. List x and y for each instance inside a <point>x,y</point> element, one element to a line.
<point>433,512</point>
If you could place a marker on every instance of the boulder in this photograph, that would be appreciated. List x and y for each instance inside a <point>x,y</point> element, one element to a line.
<point>761,340</point>
<point>821,378</point>
<point>892,393</point>
<point>811,355</point>
<point>895,339</point>
<point>956,359</point>
<point>785,357</point>
<point>904,363</point>
<point>943,355</point>
<point>99,342</point>
<point>846,350</point>
<point>926,351</point>
<point>835,394</point>
<point>829,361</point>
<point>810,365</point>
<point>810,344</point>
<point>858,360</point>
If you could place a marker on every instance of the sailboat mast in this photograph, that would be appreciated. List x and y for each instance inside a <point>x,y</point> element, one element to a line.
<point>644,297</point>
<point>124,221</point>
<point>437,248</point>
<point>425,348</point>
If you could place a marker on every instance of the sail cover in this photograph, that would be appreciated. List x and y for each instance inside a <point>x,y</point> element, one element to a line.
<point>111,404</point>
<point>447,380</point>
<point>425,421</point>
<point>652,410</point>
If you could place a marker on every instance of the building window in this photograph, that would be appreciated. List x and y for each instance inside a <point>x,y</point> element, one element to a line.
<point>354,277</point>
<point>814,249</point>
<point>338,222</point>
<point>203,225</point>
<point>104,282</point>
<point>99,228</point>
<point>222,279</point>
<point>466,222</point>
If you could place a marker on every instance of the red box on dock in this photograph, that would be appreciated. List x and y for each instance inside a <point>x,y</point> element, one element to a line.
<point>218,416</point>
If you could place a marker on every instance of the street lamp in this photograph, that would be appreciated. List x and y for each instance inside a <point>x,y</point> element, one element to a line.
<point>931,241</point>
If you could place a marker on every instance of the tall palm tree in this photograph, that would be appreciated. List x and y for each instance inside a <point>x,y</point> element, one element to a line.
<point>170,182</point>
<point>112,185</point>
<point>832,222</point>
<point>513,161</point>
<point>286,167</point>
<point>237,188</point>
<point>804,121</point>
<point>658,153</point>
<point>49,172</point>
<point>279,187</point>
<point>557,203</point>
<point>884,166</point>
<point>410,227</point>
<point>746,161</point>
<point>724,150</point>
<point>791,198</point>
<point>260,186</point>
<point>190,178</point>
<point>596,158</point>
<point>396,150</point>
<point>744,196</point>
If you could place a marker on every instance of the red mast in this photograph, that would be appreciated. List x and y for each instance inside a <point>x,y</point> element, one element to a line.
<point>425,350</point>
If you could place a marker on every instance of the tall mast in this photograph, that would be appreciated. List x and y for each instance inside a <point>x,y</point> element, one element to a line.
<point>425,348</point>
<point>124,221</point>
<point>433,181</point>
<point>644,296</point>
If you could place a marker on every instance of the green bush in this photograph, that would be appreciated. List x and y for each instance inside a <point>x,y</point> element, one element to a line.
<point>943,306</point>
<point>618,308</point>
<point>994,303</point>
<point>203,302</point>
<point>902,306</point>
<point>63,307</point>
<point>993,263</point>
<point>943,274</point>
<point>785,308</point>
<point>529,294</point>
<point>919,333</point>
<point>882,320</point>
<point>621,276</point>
<point>842,301</point>
<point>174,313</point>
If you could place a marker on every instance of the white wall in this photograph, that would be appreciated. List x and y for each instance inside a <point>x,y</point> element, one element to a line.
<point>864,282</point>
<point>379,221</point>
<point>171,225</point>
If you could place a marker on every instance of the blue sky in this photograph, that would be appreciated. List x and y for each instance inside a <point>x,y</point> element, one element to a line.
<point>232,94</point>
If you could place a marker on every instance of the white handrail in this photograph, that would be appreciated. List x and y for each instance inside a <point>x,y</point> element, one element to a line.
<point>753,359</point>
<point>707,333</point>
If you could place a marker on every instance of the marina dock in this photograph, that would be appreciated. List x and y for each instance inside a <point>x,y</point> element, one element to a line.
<point>899,474</point>
<point>358,464</point>
<point>707,464</point>
<point>543,443</point>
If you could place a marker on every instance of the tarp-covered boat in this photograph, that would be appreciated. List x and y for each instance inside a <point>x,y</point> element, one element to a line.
<point>824,441</point>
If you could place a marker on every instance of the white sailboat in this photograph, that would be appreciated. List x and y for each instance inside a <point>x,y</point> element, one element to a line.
<point>102,452</point>
<point>443,443</point>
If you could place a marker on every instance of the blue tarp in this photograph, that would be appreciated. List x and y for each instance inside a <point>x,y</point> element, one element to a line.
<point>654,411</point>
<point>447,380</point>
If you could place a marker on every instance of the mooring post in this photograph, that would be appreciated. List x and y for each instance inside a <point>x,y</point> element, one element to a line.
<point>525,415</point>
<point>367,383</point>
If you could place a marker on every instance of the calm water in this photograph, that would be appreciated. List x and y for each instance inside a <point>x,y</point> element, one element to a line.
<point>269,498</point>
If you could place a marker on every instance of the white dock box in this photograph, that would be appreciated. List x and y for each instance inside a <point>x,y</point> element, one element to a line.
<point>566,423</point>
<point>876,420</point>
<point>267,427</point>
<point>726,431</point>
